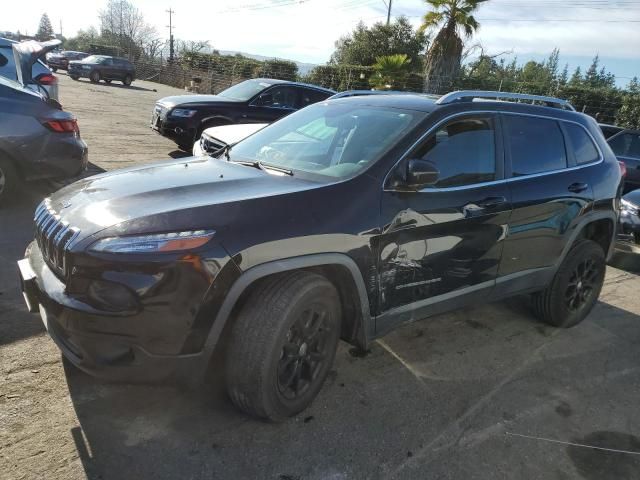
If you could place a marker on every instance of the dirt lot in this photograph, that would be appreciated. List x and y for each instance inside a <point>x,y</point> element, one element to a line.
<point>483,393</point>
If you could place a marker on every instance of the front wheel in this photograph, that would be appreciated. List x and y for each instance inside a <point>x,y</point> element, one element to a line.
<point>107,81</point>
<point>575,288</point>
<point>74,77</point>
<point>282,345</point>
<point>127,80</point>
<point>54,69</point>
<point>94,77</point>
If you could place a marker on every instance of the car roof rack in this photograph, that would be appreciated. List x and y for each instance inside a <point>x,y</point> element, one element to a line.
<point>461,95</point>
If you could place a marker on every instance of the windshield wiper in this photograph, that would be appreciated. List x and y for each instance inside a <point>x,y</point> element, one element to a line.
<point>260,165</point>
<point>224,151</point>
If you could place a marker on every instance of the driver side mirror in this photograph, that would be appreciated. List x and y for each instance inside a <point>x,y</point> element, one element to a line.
<point>421,174</point>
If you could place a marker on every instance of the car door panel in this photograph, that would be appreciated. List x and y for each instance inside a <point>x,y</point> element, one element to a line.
<point>274,103</point>
<point>441,245</point>
<point>547,204</point>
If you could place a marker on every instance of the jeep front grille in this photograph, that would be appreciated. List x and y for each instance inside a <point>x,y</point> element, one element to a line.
<point>54,237</point>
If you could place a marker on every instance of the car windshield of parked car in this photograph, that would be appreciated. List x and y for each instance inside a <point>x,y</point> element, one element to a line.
<point>327,140</point>
<point>94,59</point>
<point>245,90</point>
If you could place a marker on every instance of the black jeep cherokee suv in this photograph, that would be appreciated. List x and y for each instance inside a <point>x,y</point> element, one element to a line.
<point>183,118</point>
<point>103,67</point>
<point>344,220</point>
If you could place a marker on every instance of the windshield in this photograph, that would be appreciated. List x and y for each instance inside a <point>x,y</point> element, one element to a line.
<point>245,90</point>
<point>328,140</point>
<point>94,59</point>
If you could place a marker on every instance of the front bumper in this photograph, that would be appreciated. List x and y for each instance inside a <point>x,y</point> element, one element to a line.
<point>628,232</point>
<point>180,132</point>
<point>112,345</point>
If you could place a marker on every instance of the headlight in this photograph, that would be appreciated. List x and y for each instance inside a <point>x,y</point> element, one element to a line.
<point>628,207</point>
<point>179,112</point>
<point>154,243</point>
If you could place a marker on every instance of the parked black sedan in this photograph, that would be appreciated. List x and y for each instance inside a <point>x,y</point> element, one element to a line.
<point>183,118</point>
<point>103,67</point>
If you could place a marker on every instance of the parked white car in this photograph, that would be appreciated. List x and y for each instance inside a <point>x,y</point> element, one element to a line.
<point>215,138</point>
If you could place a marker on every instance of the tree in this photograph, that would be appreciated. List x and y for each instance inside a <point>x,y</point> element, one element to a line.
<point>365,44</point>
<point>576,78</point>
<point>564,76</point>
<point>455,19</point>
<point>45,29</point>
<point>123,26</point>
<point>390,72</point>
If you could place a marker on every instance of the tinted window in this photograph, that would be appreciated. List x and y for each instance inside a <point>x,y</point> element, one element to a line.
<point>536,145</point>
<point>626,145</point>
<point>463,152</point>
<point>580,141</point>
<point>309,96</point>
<point>8,65</point>
<point>245,90</point>
<point>279,97</point>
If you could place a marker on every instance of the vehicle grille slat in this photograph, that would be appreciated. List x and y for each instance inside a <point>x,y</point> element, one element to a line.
<point>54,237</point>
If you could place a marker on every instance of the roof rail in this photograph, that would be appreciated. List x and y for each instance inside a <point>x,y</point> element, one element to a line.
<point>471,94</point>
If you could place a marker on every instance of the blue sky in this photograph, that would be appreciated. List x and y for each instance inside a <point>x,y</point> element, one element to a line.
<point>305,30</point>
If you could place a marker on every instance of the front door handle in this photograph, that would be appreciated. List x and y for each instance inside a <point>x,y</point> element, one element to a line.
<point>491,202</point>
<point>578,187</point>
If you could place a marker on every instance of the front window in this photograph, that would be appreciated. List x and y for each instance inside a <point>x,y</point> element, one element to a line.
<point>325,140</point>
<point>95,59</point>
<point>245,90</point>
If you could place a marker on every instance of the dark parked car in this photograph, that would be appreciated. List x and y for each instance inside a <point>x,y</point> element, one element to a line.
<point>609,130</point>
<point>344,220</point>
<point>629,224</point>
<point>60,60</point>
<point>626,145</point>
<point>102,67</point>
<point>183,118</point>
<point>37,138</point>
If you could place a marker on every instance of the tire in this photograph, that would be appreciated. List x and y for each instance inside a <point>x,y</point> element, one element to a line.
<point>8,181</point>
<point>287,330</point>
<point>94,76</point>
<point>108,81</point>
<point>74,77</point>
<point>54,69</point>
<point>575,288</point>
<point>127,80</point>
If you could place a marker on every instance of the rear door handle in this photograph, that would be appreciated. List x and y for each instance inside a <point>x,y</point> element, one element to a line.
<point>578,187</point>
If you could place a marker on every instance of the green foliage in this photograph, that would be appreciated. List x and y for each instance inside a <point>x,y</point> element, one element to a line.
<point>629,113</point>
<point>45,29</point>
<point>390,72</point>
<point>365,44</point>
<point>340,77</point>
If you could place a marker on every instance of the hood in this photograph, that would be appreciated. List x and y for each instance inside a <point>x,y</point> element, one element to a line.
<point>193,100</point>
<point>633,197</point>
<point>142,199</point>
<point>229,134</point>
<point>28,53</point>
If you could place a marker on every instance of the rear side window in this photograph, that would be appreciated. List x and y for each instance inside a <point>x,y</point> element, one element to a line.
<point>309,96</point>
<point>581,143</point>
<point>537,145</point>
<point>8,65</point>
<point>626,145</point>
<point>463,152</point>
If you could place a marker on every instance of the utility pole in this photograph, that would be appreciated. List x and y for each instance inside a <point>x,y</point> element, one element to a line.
<point>170,26</point>
<point>61,29</point>
<point>389,12</point>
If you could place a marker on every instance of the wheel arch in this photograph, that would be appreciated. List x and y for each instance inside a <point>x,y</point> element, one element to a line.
<point>339,269</point>
<point>597,226</point>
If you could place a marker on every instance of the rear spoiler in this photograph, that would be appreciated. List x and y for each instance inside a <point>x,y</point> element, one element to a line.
<point>28,53</point>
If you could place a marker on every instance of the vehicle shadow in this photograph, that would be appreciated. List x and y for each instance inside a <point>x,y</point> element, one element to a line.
<point>116,84</point>
<point>16,231</point>
<point>373,413</point>
<point>179,154</point>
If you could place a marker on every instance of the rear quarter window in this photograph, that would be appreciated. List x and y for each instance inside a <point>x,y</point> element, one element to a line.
<point>536,145</point>
<point>581,143</point>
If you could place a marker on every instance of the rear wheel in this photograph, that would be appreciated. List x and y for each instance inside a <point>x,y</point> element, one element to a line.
<point>127,80</point>
<point>8,181</point>
<point>94,77</point>
<point>54,69</point>
<point>575,287</point>
<point>74,77</point>
<point>282,345</point>
<point>107,81</point>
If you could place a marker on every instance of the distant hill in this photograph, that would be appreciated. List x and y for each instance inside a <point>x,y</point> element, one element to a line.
<point>303,68</point>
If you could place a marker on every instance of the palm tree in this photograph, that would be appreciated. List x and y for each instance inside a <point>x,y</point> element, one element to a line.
<point>455,19</point>
<point>391,71</point>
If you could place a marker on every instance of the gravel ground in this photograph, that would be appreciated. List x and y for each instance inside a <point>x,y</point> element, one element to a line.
<point>482,393</point>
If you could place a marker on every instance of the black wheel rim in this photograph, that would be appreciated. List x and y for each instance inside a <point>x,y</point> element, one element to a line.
<point>582,284</point>
<point>304,353</point>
